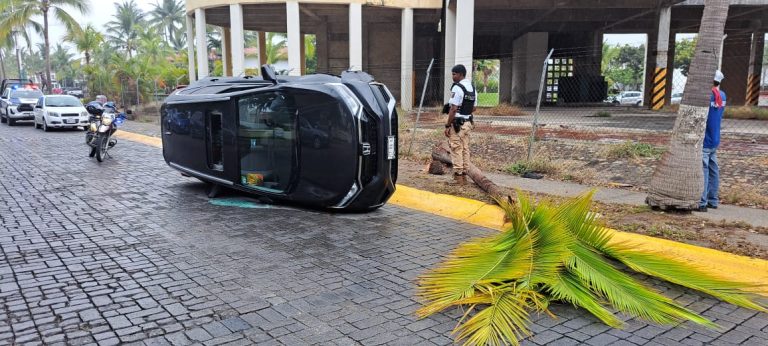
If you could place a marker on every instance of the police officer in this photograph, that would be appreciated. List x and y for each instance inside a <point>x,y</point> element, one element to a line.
<point>462,104</point>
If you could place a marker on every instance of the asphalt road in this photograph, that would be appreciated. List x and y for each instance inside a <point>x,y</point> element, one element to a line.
<point>129,251</point>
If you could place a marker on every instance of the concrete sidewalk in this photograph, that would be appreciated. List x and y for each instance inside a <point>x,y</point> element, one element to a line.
<point>752,216</point>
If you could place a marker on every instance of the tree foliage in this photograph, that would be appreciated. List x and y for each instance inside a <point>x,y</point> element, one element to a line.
<point>684,50</point>
<point>622,66</point>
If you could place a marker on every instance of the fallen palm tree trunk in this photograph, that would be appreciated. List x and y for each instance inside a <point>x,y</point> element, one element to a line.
<point>443,154</point>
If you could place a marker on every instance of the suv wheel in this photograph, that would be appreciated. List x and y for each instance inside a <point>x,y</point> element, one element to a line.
<point>45,126</point>
<point>2,116</point>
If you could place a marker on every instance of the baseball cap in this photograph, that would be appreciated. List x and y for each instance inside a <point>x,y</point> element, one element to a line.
<point>719,76</point>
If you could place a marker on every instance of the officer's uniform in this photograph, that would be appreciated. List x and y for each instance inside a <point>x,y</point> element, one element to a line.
<point>459,142</point>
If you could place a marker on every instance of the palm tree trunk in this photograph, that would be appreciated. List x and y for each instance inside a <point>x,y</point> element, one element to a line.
<point>2,63</point>
<point>47,48</point>
<point>678,180</point>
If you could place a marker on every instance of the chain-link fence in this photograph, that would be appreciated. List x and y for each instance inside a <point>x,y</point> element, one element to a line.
<point>602,122</point>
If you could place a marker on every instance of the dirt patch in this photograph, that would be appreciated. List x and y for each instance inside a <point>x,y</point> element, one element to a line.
<point>585,156</point>
<point>733,237</point>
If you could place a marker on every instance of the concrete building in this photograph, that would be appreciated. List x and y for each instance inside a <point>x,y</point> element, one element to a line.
<point>394,40</point>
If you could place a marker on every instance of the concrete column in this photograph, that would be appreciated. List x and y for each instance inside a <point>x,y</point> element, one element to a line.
<point>450,48</point>
<point>465,33</point>
<point>528,54</point>
<point>650,68</point>
<point>406,60</point>
<point>505,80</point>
<point>355,36</point>
<point>191,49</point>
<point>659,89</point>
<point>735,67</point>
<point>238,39</point>
<point>226,50</point>
<point>202,44</point>
<point>755,68</point>
<point>294,37</point>
<point>262,49</point>
<point>322,48</point>
<point>303,54</point>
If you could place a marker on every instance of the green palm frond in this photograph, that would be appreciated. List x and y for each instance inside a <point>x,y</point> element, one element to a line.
<point>627,295</point>
<point>503,321</point>
<point>687,275</point>
<point>571,289</point>
<point>496,258</point>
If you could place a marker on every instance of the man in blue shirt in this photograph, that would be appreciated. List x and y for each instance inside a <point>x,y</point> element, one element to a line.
<point>709,197</point>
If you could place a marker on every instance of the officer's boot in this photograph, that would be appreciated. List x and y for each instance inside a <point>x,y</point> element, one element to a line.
<point>460,178</point>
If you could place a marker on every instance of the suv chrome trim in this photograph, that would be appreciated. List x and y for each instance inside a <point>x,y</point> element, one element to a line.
<point>199,174</point>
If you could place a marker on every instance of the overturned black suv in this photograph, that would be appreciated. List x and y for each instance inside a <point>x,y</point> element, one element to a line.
<point>318,140</point>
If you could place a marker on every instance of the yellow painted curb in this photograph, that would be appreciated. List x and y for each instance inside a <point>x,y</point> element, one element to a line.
<point>723,264</point>
<point>135,137</point>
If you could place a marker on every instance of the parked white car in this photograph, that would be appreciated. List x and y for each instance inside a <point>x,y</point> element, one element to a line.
<point>60,111</point>
<point>629,98</point>
<point>676,98</point>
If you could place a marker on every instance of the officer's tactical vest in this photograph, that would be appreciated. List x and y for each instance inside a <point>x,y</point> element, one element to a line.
<point>468,103</point>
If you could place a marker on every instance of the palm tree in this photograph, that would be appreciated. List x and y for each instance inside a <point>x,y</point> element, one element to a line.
<point>678,180</point>
<point>168,17</point>
<point>60,58</point>
<point>123,29</point>
<point>24,11</point>
<point>274,45</point>
<point>85,40</point>
<point>561,253</point>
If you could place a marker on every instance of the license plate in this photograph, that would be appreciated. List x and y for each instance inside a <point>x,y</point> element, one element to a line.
<point>70,121</point>
<point>391,153</point>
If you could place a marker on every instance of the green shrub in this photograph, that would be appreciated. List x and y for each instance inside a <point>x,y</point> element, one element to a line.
<point>534,166</point>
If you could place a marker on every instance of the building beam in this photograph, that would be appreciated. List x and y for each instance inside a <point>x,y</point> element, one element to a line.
<point>406,60</point>
<point>450,47</point>
<point>202,44</point>
<point>191,49</point>
<point>294,37</point>
<point>465,33</point>
<point>755,68</point>
<point>659,80</point>
<point>355,37</point>
<point>238,39</point>
<point>226,50</point>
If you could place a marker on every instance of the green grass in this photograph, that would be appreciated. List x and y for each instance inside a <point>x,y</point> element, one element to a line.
<point>487,99</point>
<point>631,149</point>
<point>533,166</point>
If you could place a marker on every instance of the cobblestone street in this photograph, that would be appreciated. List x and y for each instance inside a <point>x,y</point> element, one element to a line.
<point>130,251</point>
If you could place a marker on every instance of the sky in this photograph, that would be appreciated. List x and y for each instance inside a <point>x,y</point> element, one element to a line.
<point>101,12</point>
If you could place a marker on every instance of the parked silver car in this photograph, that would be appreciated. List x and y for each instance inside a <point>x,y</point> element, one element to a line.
<point>628,98</point>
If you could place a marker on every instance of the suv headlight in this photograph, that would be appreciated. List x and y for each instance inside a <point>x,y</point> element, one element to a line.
<point>53,114</point>
<point>348,96</point>
<point>106,118</point>
<point>83,114</point>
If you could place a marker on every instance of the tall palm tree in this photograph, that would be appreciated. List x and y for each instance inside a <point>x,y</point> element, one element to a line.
<point>122,30</point>
<point>274,45</point>
<point>23,12</point>
<point>85,40</point>
<point>678,180</point>
<point>168,17</point>
<point>61,57</point>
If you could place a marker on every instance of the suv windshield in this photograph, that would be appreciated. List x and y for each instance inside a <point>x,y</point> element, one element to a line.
<point>26,94</point>
<point>62,101</point>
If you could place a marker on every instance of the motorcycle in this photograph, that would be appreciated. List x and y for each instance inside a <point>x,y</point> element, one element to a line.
<point>104,123</point>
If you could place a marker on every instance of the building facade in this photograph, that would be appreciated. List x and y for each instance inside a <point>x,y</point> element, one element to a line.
<point>395,40</point>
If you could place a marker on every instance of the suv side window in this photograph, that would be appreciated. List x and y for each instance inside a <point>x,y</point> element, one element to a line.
<point>40,102</point>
